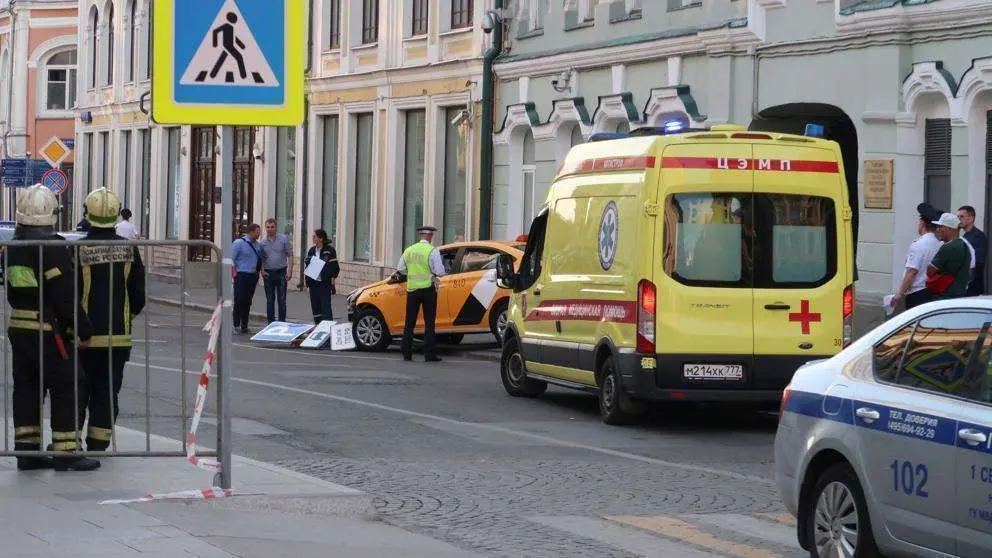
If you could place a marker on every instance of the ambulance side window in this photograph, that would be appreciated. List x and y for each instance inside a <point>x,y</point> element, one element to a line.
<point>531,263</point>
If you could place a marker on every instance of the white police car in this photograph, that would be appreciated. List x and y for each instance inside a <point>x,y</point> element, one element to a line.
<point>886,448</point>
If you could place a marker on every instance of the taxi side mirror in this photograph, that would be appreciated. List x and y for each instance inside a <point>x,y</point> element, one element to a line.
<point>505,276</point>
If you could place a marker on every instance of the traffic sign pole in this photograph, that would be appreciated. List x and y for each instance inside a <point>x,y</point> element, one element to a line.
<point>227,313</point>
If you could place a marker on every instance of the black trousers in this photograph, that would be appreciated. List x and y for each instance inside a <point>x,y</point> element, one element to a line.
<point>104,378</point>
<point>919,297</point>
<point>977,285</point>
<point>426,298</point>
<point>53,368</point>
<point>244,292</point>
<point>320,301</point>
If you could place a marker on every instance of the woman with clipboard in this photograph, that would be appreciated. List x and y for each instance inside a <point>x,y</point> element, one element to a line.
<point>322,270</point>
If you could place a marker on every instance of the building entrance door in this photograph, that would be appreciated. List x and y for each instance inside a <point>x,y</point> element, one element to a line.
<point>202,183</point>
<point>243,179</point>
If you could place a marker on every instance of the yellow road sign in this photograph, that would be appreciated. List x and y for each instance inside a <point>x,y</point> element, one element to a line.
<point>229,62</point>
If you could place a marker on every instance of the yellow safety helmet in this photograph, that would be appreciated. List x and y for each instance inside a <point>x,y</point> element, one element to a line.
<point>103,207</point>
<point>37,206</point>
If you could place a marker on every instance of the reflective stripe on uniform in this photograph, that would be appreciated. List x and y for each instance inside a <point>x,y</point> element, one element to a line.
<point>30,324</point>
<point>60,436</point>
<point>24,314</point>
<point>28,439</point>
<point>102,434</point>
<point>110,341</point>
<point>65,446</point>
<point>26,430</point>
<point>52,273</point>
<point>21,276</point>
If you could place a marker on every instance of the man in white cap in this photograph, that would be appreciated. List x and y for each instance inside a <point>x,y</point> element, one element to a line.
<point>421,263</point>
<point>949,272</point>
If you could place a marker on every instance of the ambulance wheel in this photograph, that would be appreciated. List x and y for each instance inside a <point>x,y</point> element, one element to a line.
<point>514,374</point>
<point>615,407</point>
<point>836,516</point>
<point>370,330</point>
<point>450,338</point>
<point>498,317</point>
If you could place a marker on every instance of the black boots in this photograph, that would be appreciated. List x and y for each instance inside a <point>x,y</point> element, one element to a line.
<point>76,464</point>
<point>32,463</point>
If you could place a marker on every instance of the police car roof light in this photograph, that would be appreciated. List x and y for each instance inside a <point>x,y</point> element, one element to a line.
<point>814,130</point>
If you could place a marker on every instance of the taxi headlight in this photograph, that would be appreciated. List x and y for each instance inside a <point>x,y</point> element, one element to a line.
<point>353,296</point>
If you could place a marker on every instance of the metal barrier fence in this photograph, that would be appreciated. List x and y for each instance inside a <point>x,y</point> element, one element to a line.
<point>182,418</point>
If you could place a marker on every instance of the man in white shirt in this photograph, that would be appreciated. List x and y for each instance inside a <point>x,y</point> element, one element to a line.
<point>124,228</point>
<point>914,280</point>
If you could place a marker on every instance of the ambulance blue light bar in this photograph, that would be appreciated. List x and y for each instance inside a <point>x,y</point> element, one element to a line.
<point>814,130</point>
<point>606,136</point>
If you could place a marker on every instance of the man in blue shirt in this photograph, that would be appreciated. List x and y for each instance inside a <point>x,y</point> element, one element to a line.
<point>248,258</point>
<point>278,270</point>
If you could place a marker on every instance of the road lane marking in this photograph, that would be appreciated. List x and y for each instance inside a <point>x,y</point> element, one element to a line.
<point>629,540</point>
<point>749,526</point>
<point>500,429</point>
<point>786,518</point>
<point>687,532</point>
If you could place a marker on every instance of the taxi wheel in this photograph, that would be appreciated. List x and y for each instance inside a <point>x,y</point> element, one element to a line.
<point>837,521</point>
<point>514,374</point>
<point>498,317</point>
<point>370,330</point>
<point>615,407</point>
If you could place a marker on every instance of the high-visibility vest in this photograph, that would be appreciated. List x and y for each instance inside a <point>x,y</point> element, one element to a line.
<point>418,267</point>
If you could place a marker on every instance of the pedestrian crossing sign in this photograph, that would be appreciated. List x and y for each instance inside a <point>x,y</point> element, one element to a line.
<point>228,62</point>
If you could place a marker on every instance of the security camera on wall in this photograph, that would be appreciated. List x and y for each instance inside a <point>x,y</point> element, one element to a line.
<point>488,23</point>
<point>459,118</point>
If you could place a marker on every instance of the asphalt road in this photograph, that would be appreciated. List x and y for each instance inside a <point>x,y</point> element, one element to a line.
<point>448,454</point>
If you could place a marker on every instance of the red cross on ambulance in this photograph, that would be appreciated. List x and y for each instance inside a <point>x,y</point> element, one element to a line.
<point>804,317</point>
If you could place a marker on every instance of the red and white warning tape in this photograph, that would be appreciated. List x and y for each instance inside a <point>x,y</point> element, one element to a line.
<point>213,326</point>
<point>203,494</point>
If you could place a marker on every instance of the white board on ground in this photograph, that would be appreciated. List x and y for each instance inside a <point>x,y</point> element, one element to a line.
<point>282,332</point>
<point>342,338</point>
<point>319,337</point>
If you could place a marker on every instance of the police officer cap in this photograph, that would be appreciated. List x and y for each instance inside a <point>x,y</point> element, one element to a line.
<point>426,229</point>
<point>928,212</point>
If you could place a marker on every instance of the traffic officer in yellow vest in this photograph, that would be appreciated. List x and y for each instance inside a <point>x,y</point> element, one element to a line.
<point>421,263</point>
<point>112,285</point>
<point>43,319</point>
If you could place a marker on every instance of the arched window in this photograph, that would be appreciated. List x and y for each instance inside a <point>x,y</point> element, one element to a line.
<point>132,40</point>
<point>60,81</point>
<point>110,44</point>
<point>94,46</point>
<point>529,171</point>
<point>576,137</point>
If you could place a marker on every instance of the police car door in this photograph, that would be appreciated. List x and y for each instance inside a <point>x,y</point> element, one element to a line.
<point>906,425</point>
<point>974,453</point>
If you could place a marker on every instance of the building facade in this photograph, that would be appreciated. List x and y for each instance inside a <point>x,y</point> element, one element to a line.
<point>38,72</point>
<point>169,176</point>
<point>896,82</point>
<point>394,124</point>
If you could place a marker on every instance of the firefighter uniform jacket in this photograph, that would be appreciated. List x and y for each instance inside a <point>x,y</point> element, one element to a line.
<point>27,271</point>
<point>112,288</point>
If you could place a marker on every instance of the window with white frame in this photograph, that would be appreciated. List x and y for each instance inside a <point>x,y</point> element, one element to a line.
<point>147,30</point>
<point>60,81</point>
<point>461,14</point>
<point>681,4</point>
<point>532,14</point>
<point>94,46</point>
<point>370,22</point>
<point>132,42</point>
<point>110,44</point>
<point>587,9</point>
<point>529,171</point>
<point>420,17</point>
<point>333,26</point>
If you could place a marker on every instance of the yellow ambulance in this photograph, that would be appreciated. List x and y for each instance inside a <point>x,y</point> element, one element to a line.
<point>698,266</point>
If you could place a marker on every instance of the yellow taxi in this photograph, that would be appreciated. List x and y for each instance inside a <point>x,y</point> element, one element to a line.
<point>468,298</point>
<point>703,266</point>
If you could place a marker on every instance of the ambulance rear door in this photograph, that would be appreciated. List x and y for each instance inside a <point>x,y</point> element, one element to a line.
<point>800,259</point>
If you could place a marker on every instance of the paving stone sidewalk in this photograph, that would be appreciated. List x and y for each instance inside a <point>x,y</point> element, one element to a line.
<point>275,512</point>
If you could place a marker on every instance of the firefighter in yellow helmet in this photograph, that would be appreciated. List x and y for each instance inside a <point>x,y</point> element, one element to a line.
<point>43,318</point>
<point>112,285</point>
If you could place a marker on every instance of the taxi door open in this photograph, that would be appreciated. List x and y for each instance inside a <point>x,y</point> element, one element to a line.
<point>703,267</point>
<point>802,291</point>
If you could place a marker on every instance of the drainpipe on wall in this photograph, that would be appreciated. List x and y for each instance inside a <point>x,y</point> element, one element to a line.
<point>10,74</point>
<point>488,106</point>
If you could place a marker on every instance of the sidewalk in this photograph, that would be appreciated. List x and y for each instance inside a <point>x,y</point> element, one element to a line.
<point>274,512</point>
